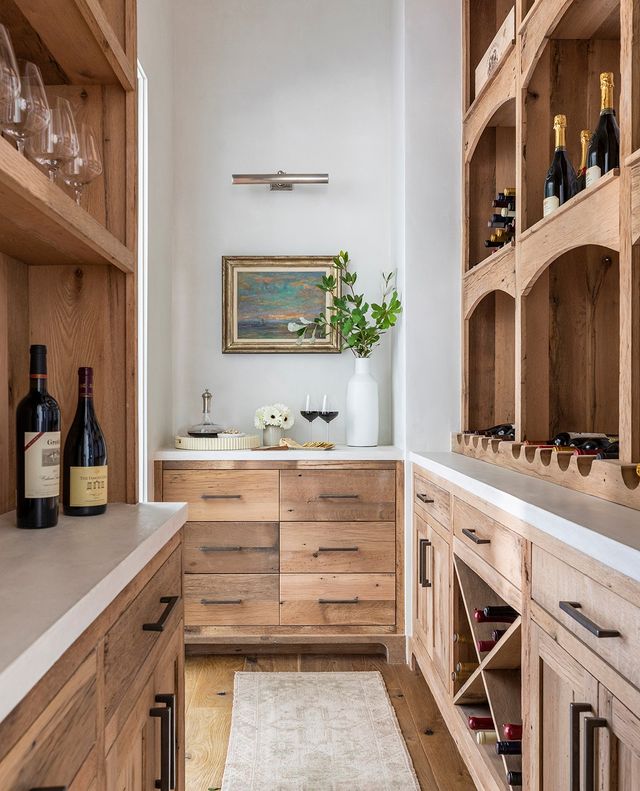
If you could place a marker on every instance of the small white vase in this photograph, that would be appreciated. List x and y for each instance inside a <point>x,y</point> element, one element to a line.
<point>271,435</point>
<point>362,406</point>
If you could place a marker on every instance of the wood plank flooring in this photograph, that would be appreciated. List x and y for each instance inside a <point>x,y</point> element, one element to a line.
<point>209,698</point>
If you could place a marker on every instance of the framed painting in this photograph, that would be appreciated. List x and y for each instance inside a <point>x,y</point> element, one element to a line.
<point>263,294</point>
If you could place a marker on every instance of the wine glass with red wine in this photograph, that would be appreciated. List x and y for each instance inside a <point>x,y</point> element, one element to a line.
<point>328,413</point>
<point>309,414</point>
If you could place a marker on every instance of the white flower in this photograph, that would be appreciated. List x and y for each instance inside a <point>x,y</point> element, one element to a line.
<point>286,418</point>
<point>278,415</point>
<point>259,419</point>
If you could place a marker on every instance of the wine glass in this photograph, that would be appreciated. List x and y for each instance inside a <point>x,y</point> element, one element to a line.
<point>29,112</point>
<point>57,143</point>
<point>9,75</point>
<point>309,414</point>
<point>86,165</point>
<point>328,413</point>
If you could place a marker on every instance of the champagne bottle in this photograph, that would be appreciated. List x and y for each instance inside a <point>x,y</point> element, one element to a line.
<point>514,779</point>
<point>512,731</point>
<point>480,723</point>
<point>560,184</point>
<point>37,449</point>
<point>581,176</point>
<point>486,737</point>
<point>604,149</point>
<point>509,747</point>
<point>85,456</point>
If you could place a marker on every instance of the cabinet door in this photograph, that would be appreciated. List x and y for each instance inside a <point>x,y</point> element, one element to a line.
<point>423,610</point>
<point>619,744</point>
<point>440,576</point>
<point>562,694</point>
<point>169,691</point>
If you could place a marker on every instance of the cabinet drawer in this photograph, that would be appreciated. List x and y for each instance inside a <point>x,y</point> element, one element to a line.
<point>231,548</point>
<point>224,495</point>
<point>318,599</point>
<point>338,495</point>
<point>432,499</point>
<point>490,540</point>
<point>231,600</point>
<point>337,546</point>
<point>553,582</point>
<point>127,643</point>
<point>56,745</point>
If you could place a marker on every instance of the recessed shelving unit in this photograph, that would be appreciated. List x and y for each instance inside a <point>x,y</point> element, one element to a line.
<point>67,272</point>
<point>551,324</point>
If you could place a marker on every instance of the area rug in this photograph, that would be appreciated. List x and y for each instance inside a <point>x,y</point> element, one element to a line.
<point>315,732</point>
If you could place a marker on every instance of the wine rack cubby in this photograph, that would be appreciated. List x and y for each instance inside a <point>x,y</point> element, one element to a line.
<point>493,689</point>
<point>573,275</point>
<point>483,20</point>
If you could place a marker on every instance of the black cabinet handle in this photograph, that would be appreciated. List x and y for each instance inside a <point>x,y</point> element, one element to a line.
<point>572,610</point>
<point>472,535</point>
<point>575,709</point>
<point>220,601</point>
<point>338,601</point>
<point>220,549</point>
<point>164,783</point>
<point>590,725</point>
<point>424,498</point>
<point>158,626</point>
<point>221,497</point>
<point>337,549</point>
<point>424,582</point>
<point>338,496</point>
<point>169,701</point>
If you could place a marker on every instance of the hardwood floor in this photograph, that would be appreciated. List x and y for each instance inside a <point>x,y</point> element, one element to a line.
<point>209,698</point>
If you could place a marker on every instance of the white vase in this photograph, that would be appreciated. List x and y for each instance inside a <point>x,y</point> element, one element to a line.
<point>271,435</point>
<point>362,406</point>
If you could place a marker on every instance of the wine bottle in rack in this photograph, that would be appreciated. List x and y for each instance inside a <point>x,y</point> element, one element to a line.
<point>503,430</point>
<point>484,646</point>
<point>37,449</point>
<point>466,667</point>
<point>461,638</point>
<point>509,747</point>
<point>498,614</point>
<point>486,737</point>
<point>611,452</point>
<point>581,175</point>
<point>604,149</point>
<point>480,723</point>
<point>496,634</point>
<point>512,731</point>
<point>514,779</point>
<point>565,438</point>
<point>85,456</point>
<point>560,184</point>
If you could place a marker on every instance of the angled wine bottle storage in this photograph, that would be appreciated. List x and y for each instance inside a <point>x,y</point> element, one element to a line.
<point>493,689</point>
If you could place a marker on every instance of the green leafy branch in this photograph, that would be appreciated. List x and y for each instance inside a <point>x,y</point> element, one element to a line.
<point>358,324</point>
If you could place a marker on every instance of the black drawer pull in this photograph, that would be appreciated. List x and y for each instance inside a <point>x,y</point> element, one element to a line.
<point>572,610</point>
<point>169,701</point>
<point>220,549</point>
<point>158,626</point>
<point>338,496</point>
<point>338,601</point>
<point>164,783</point>
<point>589,752</point>
<point>472,535</point>
<point>575,709</point>
<point>222,497</point>
<point>220,601</point>
<point>424,498</point>
<point>424,581</point>
<point>337,549</point>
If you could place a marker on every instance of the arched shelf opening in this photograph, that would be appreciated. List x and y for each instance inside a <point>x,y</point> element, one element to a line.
<point>484,18</point>
<point>572,338</point>
<point>490,362</point>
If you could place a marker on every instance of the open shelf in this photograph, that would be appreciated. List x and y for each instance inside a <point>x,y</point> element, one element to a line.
<point>76,35</point>
<point>483,20</point>
<point>496,273</point>
<point>489,385</point>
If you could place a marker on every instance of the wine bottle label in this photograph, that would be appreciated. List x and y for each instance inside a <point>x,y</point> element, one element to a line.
<point>550,204</point>
<point>593,174</point>
<point>87,486</point>
<point>41,464</point>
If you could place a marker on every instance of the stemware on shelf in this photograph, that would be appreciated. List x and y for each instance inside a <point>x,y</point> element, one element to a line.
<point>327,412</point>
<point>86,165</point>
<point>29,112</point>
<point>310,414</point>
<point>9,75</point>
<point>56,144</point>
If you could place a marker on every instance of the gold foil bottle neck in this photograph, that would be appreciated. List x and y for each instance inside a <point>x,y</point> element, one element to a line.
<point>606,79</point>
<point>585,136</point>
<point>560,122</point>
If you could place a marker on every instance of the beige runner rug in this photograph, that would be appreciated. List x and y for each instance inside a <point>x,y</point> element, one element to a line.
<point>315,732</point>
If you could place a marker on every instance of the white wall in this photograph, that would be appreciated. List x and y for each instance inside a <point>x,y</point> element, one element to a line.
<point>262,85</point>
<point>155,47</point>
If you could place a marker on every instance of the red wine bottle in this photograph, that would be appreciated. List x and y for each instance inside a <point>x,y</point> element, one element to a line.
<point>513,747</point>
<point>486,645</point>
<point>496,634</point>
<point>37,449</point>
<point>512,731</point>
<point>495,615</point>
<point>560,184</point>
<point>604,149</point>
<point>566,438</point>
<point>85,457</point>
<point>480,723</point>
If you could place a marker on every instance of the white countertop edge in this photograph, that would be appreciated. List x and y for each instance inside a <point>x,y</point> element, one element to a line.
<point>606,549</point>
<point>41,655</point>
<point>339,453</point>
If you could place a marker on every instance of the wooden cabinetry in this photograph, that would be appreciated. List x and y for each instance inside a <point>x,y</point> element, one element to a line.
<point>291,552</point>
<point>110,713</point>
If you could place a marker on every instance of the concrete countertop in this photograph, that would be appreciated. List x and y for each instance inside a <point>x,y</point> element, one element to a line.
<point>339,453</point>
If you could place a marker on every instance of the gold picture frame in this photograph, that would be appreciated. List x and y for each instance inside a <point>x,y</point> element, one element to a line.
<point>262,294</point>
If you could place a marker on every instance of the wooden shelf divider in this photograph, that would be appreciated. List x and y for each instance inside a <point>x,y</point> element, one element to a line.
<point>495,273</point>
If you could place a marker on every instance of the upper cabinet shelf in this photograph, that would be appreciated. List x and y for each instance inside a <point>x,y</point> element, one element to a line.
<point>40,224</point>
<point>75,35</point>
